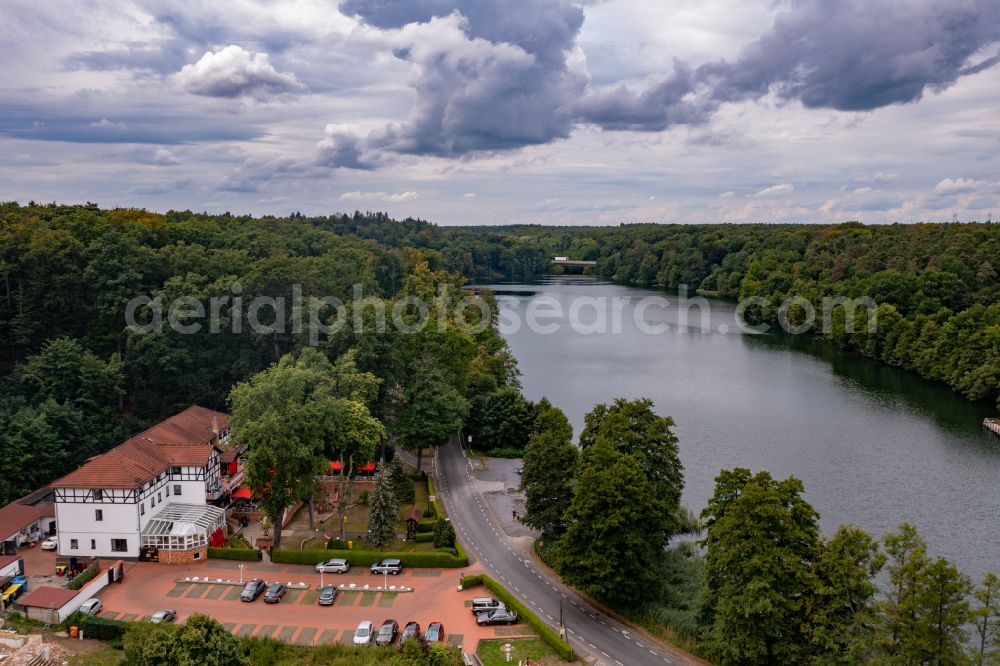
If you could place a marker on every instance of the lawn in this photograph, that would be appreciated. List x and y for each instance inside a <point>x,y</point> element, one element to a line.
<point>537,650</point>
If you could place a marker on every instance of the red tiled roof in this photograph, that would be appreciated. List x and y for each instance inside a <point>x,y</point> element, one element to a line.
<point>16,516</point>
<point>184,439</point>
<point>48,597</point>
<point>8,559</point>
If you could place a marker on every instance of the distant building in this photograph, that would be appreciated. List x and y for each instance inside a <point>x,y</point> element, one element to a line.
<point>157,496</point>
<point>25,520</point>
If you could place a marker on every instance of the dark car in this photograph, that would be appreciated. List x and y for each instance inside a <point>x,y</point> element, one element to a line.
<point>434,633</point>
<point>274,593</point>
<point>485,605</point>
<point>253,590</point>
<point>502,616</point>
<point>411,630</point>
<point>387,633</point>
<point>327,595</point>
<point>391,566</point>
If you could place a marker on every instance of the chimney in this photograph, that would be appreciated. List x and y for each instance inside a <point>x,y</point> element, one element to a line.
<point>215,426</point>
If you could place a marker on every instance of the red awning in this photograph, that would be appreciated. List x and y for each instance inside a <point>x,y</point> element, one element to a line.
<point>370,467</point>
<point>336,466</point>
<point>242,493</point>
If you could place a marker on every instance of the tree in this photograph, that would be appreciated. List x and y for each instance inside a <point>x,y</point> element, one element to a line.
<point>383,513</point>
<point>845,596</point>
<point>550,468</point>
<point>986,620</point>
<point>288,415</point>
<point>899,610</point>
<point>607,551</point>
<point>432,411</point>
<point>199,641</point>
<point>632,427</point>
<point>402,487</point>
<point>944,614</point>
<point>762,541</point>
<point>502,419</point>
<point>444,534</point>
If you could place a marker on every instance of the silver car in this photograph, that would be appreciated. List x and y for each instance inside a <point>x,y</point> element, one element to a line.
<point>336,565</point>
<point>165,615</point>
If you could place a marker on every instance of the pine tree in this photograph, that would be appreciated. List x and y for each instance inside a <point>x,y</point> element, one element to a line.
<point>444,534</point>
<point>986,619</point>
<point>382,513</point>
<point>402,487</point>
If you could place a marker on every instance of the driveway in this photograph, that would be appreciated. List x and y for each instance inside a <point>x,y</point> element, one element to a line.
<point>148,587</point>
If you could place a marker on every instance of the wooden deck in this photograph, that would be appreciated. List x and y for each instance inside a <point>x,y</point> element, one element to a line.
<point>993,425</point>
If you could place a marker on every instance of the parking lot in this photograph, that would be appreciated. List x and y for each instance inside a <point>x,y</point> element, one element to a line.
<point>149,587</point>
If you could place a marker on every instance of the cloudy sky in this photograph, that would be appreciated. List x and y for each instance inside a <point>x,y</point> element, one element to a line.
<point>504,111</point>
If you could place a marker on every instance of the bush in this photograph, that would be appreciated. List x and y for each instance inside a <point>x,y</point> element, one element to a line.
<point>429,512</point>
<point>444,534</point>
<point>242,554</point>
<point>449,550</point>
<point>101,628</point>
<point>426,526</point>
<point>424,537</point>
<point>336,544</point>
<point>363,498</point>
<point>562,648</point>
<point>365,558</point>
<point>506,452</point>
<point>470,581</point>
<point>88,574</point>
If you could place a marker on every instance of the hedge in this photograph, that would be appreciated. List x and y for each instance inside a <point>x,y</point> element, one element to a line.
<point>562,648</point>
<point>102,629</point>
<point>87,575</point>
<point>244,554</point>
<point>424,537</point>
<point>366,558</point>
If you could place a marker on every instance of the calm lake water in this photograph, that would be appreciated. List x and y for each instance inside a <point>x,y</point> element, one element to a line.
<point>874,446</point>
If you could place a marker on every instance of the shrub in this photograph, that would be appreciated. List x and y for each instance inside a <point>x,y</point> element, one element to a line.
<point>562,648</point>
<point>87,575</point>
<point>365,558</point>
<point>449,550</point>
<point>505,452</point>
<point>444,534</point>
<point>363,498</point>
<point>423,537</point>
<point>426,526</point>
<point>470,581</point>
<point>242,554</point>
<point>102,629</point>
<point>429,511</point>
<point>336,544</point>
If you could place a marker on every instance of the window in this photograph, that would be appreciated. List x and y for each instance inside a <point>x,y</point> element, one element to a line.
<point>168,491</point>
<point>98,514</point>
<point>93,544</point>
<point>175,470</point>
<point>197,556</point>
<point>119,545</point>
<point>152,502</point>
<point>177,490</point>
<point>142,509</point>
<point>73,544</point>
<point>98,495</point>
<point>159,497</point>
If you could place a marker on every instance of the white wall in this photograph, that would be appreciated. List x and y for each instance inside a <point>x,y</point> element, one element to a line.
<point>12,569</point>
<point>78,521</point>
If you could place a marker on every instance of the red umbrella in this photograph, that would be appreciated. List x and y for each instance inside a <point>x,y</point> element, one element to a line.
<point>242,493</point>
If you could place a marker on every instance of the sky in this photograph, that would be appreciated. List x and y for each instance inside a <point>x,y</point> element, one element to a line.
<point>508,111</point>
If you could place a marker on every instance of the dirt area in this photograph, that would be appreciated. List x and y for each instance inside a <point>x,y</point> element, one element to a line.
<point>497,479</point>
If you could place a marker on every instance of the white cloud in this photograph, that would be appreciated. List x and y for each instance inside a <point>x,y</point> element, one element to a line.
<point>469,195</point>
<point>959,186</point>
<point>164,157</point>
<point>863,190</point>
<point>234,72</point>
<point>378,196</point>
<point>884,177</point>
<point>104,123</point>
<point>775,191</point>
<point>727,195</point>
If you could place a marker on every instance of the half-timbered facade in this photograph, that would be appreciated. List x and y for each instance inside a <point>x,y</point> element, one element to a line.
<point>104,507</point>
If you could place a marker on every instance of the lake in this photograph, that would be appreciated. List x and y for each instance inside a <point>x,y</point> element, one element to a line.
<point>874,446</point>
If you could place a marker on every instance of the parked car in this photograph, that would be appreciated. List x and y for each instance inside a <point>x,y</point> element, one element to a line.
<point>434,633</point>
<point>253,590</point>
<point>165,615</point>
<point>336,565</point>
<point>392,566</point>
<point>387,633</point>
<point>92,607</point>
<point>485,605</point>
<point>50,544</point>
<point>364,634</point>
<point>502,616</point>
<point>274,593</point>
<point>327,595</point>
<point>411,630</point>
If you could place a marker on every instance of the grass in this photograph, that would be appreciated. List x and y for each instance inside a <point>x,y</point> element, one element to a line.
<point>104,656</point>
<point>538,650</point>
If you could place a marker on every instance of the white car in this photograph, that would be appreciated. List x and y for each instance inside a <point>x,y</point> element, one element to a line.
<point>364,634</point>
<point>91,607</point>
<point>336,565</point>
<point>50,544</point>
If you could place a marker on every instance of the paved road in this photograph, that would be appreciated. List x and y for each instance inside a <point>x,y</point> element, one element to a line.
<point>590,631</point>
